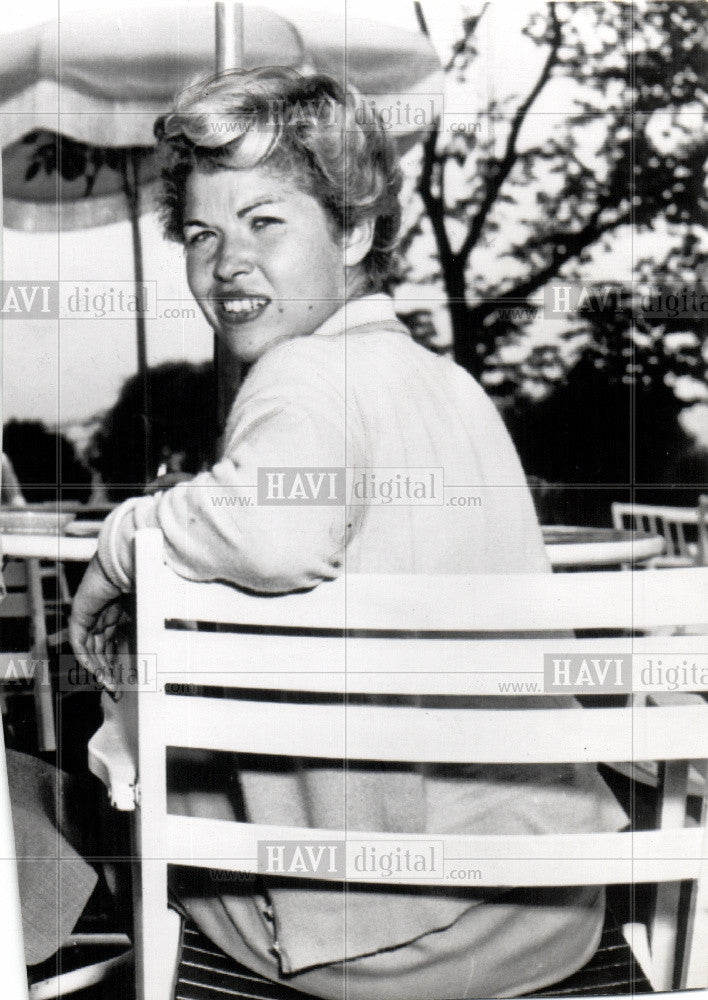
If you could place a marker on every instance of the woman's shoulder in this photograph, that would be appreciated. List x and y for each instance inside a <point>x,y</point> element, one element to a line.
<point>297,350</point>
<point>295,372</point>
<point>300,359</point>
<point>378,361</point>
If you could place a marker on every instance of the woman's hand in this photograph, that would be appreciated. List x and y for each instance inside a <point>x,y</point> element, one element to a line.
<point>96,613</point>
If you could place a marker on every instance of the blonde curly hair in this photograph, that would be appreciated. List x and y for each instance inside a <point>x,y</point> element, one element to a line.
<point>308,128</point>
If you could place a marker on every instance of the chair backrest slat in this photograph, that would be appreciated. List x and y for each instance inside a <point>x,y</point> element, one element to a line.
<point>520,602</point>
<point>443,735</point>
<point>497,859</point>
<point>464,665</point>
<point>681,539</point>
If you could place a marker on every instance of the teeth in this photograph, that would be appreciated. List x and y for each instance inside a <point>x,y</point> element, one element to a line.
<point>239,306</point>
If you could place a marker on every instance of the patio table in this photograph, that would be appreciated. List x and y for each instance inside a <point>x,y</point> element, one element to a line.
<point>56,547</point>
<point>569,547</point>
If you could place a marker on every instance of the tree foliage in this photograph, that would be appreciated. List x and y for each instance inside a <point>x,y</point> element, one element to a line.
<point>183,414</point>
<point>593,396</point>
<point>45,463</point>
<point>636,72</point>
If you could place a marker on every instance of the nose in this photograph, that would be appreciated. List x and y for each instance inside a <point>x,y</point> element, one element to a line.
<point>232,260</point>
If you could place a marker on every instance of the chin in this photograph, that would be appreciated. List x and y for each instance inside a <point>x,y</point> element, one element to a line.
<point>246,352</point>
<point>234,341</point>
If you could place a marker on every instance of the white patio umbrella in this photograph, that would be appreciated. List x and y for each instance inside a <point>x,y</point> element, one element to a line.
<point>103,76</point>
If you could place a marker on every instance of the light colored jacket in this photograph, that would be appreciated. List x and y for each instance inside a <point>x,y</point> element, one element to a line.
<point>371,400</point>
<point>360,394</point>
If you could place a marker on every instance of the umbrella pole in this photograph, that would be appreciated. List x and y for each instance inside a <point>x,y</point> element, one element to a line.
<point>229,35</point>
<point>132,180</point>
<point>14,971</point>
<point>229,55</point>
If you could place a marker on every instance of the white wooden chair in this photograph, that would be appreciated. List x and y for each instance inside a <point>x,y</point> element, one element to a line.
<point>443,636</point>
<point>703,530</point>
<point>676,525</point>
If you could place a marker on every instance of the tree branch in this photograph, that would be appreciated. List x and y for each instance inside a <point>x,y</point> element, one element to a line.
<point>470,28</point>
<point>503,166</point>
<point>434,205</point>
<point>574,243</point>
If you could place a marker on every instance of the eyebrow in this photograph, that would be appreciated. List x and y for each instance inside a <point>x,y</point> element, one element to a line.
<point>240,214</point>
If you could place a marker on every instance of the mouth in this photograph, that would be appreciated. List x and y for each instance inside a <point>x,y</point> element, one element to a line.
<point>240,309</point>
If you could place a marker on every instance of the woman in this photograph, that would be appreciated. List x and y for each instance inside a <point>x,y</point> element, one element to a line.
<point>288,208</point>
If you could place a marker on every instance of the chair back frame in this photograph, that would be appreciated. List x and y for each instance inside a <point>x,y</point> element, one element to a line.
<point>413,637</point>
<point>676,525</point>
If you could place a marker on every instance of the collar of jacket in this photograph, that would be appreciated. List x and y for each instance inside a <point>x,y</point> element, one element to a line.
<point>371,312</point>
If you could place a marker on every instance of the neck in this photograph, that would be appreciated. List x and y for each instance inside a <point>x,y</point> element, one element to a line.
<point>357,283</point>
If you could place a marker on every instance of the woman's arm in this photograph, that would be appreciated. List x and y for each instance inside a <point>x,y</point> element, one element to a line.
<point>290,414</point>
<point>216,526</point>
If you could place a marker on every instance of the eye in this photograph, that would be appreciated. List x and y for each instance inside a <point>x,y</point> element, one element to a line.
<point>195,238</point>
<point>263,221</point>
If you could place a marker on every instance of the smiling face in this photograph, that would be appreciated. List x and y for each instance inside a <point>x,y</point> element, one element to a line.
<point>263,259</point>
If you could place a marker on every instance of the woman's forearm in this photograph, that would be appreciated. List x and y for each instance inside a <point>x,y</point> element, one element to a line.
<point>216,528</point>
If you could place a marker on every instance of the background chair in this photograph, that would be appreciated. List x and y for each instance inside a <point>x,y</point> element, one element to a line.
<point>29,664</point>
<point>86,959</point>
<point>39,600</point>
<point>105,954</point>
<point>27,599</point>
<point>703,530</point>
<point>678,526</point>
<point>447,637</point>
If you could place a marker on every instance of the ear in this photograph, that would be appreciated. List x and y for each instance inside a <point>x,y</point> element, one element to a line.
<point>357,242</point>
